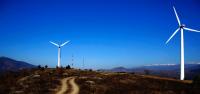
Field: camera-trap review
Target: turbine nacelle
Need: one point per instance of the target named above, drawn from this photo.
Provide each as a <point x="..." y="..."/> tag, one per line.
<point x="182" y="26"/>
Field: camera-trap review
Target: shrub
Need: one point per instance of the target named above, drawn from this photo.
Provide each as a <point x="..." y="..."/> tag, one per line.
<point x="196" y="82"/>
<point x="39" y="66"/>
<point x="46" y="66"/>
<point x="68" y="67"/>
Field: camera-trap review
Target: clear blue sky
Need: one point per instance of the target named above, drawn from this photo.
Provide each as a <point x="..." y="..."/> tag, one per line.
<point x="107" y="33"/>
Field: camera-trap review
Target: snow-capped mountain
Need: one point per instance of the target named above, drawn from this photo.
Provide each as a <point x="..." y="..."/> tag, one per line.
<point x="165" y="70"/>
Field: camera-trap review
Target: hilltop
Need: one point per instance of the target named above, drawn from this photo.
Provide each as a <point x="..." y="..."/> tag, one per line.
<point x="50" y="81"/>
<point x="8" y="64"/>
<point x="29" y="79"/>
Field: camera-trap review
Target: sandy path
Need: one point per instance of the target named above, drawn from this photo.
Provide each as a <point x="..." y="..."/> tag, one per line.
<point x="66" y="82"/>
<point x="75" y="88"/>
<point x="64" y="86"/>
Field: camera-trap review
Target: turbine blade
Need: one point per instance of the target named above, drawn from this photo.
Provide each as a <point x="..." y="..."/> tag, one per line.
<point x="172" y="36"/>
<point x="191" y="29"/>
<point x="64" y="43"/>
<point x="179" y="23"/>
<point x="54" y="43"/>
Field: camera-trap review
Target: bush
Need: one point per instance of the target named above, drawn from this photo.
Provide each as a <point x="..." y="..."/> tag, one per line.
<point x="46" y="66"/>
<point x="68" y="67"/>
<point x="90" y="70"/>
<point x="196" y="85"/>
<point x="196" y="82"/>
<point x="39" y="66"/>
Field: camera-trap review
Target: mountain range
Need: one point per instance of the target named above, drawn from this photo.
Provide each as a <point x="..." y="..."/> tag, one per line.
<point x="164" y="70"/>
<point x="8" y="64"/>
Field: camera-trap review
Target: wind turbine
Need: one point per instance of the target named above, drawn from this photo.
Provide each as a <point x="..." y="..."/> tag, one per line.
<point x="181" y="28"/>
<point x="59" y="47"/>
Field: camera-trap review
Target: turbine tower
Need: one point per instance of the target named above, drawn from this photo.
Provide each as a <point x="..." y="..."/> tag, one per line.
<point x="181" y="28"/>
<point x="59" y="54"/>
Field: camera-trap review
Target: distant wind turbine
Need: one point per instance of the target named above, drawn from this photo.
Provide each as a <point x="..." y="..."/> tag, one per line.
<point x="181" y="28"/>
<point x="59" y="54"/>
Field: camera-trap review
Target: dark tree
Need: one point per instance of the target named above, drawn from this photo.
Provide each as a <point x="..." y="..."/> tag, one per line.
<point x="68" y="67"/>
<point x="90" y="70"/>
<point x="46" y="66"/>
<point x="39" y="66"/>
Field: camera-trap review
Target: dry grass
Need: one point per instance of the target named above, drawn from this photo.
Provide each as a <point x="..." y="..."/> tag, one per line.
<point x="124" y="83"/>
<point x="91" y="82"/>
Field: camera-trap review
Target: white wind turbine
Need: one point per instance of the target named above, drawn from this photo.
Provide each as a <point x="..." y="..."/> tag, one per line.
<point x="59" y="54"/>
<point x="181" y="28"/>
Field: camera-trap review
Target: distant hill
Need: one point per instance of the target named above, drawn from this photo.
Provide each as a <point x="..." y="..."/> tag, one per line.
<point x="163" y="70"/>
<point x="169" y="66"/>
<point x="7" y="64"/>
<point x="120" y="69"/>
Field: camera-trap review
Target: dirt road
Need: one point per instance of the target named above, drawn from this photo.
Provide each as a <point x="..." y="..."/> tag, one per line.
<point x="68" y="85"/>
<point x="75" y="88"/>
